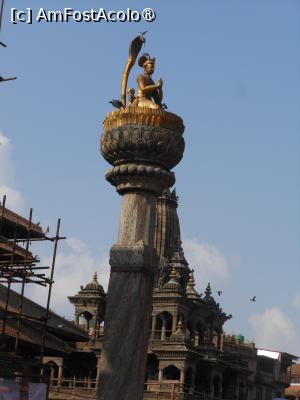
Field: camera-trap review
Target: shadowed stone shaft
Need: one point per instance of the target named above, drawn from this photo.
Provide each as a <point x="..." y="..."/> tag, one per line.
<point x="129" y="301"/>
<point x="142" y="145"/>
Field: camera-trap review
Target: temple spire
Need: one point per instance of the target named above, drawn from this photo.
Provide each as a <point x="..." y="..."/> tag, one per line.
<point x="179" y="263"/>
<point x="167" y="224"/>
<point x="173" y="282"/>
<point x="191" y="292"/>
<point x="208" y="294"/>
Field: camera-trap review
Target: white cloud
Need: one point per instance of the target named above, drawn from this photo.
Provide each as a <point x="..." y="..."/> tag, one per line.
<point x="297" y="300"/>
<point x="7" y="176"/>
<point x="7" y="172"/>
<point x="209" y="264"/>
<point x="274" y="330"/>
<point x="75" y="266"/>
<point x="14" y="199"/>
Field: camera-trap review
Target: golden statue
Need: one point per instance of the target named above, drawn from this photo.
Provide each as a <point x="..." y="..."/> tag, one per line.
<point x="149" y="94"/>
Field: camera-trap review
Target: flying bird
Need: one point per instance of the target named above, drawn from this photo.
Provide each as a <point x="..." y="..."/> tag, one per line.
<point x="6" y="79"/>
<point x="253" y="298"/>
<point x="2" y="44"/>
<point x="117" y="104"/>
<point x="219" y="292"/>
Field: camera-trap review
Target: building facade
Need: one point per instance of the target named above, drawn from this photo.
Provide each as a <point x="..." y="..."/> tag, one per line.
<point x="189" y="355"/>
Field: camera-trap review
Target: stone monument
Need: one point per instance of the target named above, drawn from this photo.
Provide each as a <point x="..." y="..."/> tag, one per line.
<point x="142" y="142"/>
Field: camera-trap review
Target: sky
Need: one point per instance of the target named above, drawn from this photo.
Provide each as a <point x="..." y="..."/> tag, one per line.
<point x="231" y="71"/>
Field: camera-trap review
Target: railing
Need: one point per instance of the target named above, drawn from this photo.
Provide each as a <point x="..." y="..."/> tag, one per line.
<point x="158" y="334"/>
<point x="96" y="333"/>
<point x="85" y="383"/>
<point x="166" y="390"/>
<point x="153" y="390"/>
<point x="77" y="388"/>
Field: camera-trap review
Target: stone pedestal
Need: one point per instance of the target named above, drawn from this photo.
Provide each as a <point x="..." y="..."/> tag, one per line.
<point x="142" y="145"/>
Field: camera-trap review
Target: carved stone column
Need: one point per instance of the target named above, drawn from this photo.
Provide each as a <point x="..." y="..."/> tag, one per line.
<point x="98" y="371"/>
<point x="163" y="329"/>
<point x="51" y="375"/>
<point x="153" y="327"/>
<point x="182" y="373"/>
<point x="160" y="374"/>
<point x="174" y="323"/>
<point x="142" y="145"/>
<point x="60" y="375"/>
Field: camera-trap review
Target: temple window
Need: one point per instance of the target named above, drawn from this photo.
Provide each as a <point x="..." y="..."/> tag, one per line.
<point x="171" y="373"/>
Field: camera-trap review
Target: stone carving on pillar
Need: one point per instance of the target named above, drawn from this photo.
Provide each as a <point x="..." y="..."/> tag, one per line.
<point x="142" y="143"/>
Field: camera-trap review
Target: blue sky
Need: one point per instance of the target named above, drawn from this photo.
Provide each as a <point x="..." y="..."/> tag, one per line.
<point x="231" y="71"/>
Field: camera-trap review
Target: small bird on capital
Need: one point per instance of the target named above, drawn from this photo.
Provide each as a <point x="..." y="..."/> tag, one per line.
<point x="219" y="292"/>
<point x="117" y="104"/>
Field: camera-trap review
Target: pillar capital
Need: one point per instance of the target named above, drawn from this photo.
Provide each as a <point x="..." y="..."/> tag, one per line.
<point x="142" y="145"/>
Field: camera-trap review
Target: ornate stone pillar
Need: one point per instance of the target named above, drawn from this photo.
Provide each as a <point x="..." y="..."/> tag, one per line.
<point x="142" y="145"/>
<point x="60" y="375"/>
<point x="182" y="373"/>
<point x="160" y="374"/>
<point x="51" y="375"/>
<point x="98" y="371"/>
<point x="94" y="325"/>
<point x="163" y="329"/>
<point x="153" y="327"/>
<point x="174" y="323"/>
